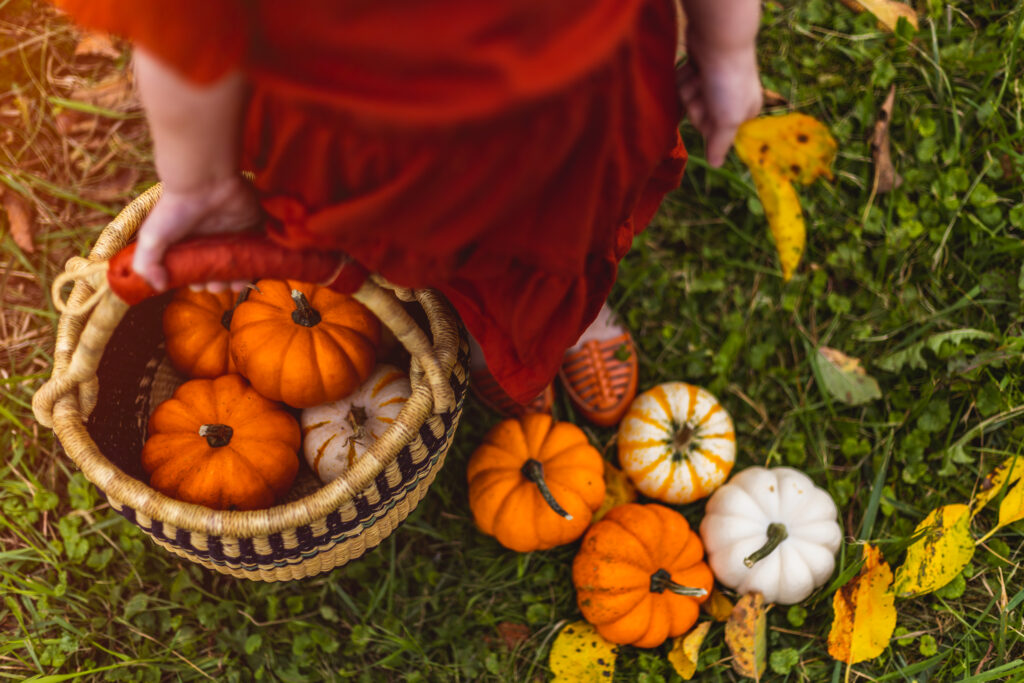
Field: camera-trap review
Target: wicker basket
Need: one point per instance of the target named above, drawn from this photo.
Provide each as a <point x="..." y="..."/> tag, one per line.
<point x="110" y="372"/>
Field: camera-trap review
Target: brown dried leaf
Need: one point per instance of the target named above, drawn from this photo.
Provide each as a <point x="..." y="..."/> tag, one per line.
<point x="19" y="217"/>
<point x="113" y="187"/>
<point x="70" y="122"/>
<point x="513" y="634"/>
<point x="680" y="30"/>
<point x="773" y="98"/>
<point x="745" y="634"/>
<point x="114" y="92"/>
<point x="886" y="178"/>
<point x="96" y="44"/>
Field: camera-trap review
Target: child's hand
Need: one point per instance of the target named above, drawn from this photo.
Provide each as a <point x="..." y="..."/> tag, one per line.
<point x="720" y="90"/>
<point x="229" y="205"/>
<point x="719" y="84"/>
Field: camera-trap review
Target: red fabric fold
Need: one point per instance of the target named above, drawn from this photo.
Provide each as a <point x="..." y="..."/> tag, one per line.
<point x="505" y="153"/>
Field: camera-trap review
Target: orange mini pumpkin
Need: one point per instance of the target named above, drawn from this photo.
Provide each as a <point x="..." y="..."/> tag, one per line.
<point x="303" y="344"/>
<point x="196" y="326"/>
<point x="640" y="575"/>
<point x="535" y="483"/>
<point x="218" y="443"/>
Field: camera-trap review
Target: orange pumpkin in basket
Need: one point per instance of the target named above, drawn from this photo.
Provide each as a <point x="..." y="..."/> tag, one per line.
<point x="196" y="328"/>
<point x="640" y="575"/>
<point x="303" y="344"/>
<point x="218" y="443"/>
<point x="535" y="483"/>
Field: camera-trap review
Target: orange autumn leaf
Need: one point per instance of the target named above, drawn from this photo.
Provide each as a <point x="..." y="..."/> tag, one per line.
<point x="780" y="151"/>
<point x="865" y="612"/>
<point x="19" y="218"/>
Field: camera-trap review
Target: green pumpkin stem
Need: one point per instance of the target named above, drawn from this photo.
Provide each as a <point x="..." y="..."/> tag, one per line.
<point x="217" y="435"/>
<point x="776" y="534"/>
<point x="533" y="470"/>
<point x="304" y="314"/>
<point x="661" y="581"/>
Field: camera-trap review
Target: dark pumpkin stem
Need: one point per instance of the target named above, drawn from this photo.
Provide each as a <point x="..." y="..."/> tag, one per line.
<point x="661" y="581"/>
<point x="534" y="472"/>
<point x="225" y="319"/>
<point x="217" y="435"/>
<point x="683" y="437"/>
<point x="776" y="534"/>
<point x="304" y="314"/>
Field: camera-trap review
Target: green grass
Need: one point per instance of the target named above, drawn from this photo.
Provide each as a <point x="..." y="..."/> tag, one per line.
<point x="85" y="594"/>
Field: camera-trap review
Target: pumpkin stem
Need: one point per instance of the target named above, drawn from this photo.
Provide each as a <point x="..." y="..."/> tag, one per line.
<point x="217" y="435"/>
<point x="533" y="470"/>
<point x="304" y="314"/>
<point x="776" y="534"/>
<point x="684" y="435"/>
<point x="662" y="580"/>
<point x="225" y="320"/>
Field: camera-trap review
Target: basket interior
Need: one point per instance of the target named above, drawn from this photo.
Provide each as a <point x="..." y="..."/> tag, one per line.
<point x="135" y="377"/>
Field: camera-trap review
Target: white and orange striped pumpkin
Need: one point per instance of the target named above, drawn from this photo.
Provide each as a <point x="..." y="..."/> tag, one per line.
<point x="337" y="434"/>
<point x="676" y="443"/>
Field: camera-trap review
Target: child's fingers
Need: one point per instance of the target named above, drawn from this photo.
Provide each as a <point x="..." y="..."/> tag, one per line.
<point x="719" y="142"/>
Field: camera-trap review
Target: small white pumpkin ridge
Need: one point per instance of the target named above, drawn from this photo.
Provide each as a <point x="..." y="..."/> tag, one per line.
<point x="337" y="434"/>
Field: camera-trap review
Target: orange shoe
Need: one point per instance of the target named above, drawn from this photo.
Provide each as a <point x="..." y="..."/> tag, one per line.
<point x="601" y="378"/>
<point x="490" y="393"/>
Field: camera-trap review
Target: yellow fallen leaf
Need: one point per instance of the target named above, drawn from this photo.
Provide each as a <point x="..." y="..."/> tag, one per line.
<point x="999" y="479"/>
<point x="745" y="636"/>
<point x="781" y="150"/>
<point x="618" y="490"/>
<point x="888" y="12"/>
<point x="941" y="553"/>
<point x="1011" y="509"/>
<point x="580" y="654"/>
<point x="717" y="605"/>
<point x="686" y="648"/>
<point x="785" y="217"/>
<point x="865" y="612"/>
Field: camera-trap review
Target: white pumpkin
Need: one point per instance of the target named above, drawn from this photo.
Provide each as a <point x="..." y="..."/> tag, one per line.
<point x="676" y="443"/>
<point x="336" y="434"/>
<point x="771" y="531"/>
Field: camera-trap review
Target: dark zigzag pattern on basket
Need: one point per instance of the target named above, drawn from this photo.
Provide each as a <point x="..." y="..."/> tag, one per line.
<point x="309" y="544"/>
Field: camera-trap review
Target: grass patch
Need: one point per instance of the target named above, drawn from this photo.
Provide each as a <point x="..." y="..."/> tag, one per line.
<point x="925" y="285"/>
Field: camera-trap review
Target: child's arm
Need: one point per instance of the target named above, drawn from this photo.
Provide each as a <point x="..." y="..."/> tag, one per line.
<point x="196" y="134"/>
<point x="719" y="84"/>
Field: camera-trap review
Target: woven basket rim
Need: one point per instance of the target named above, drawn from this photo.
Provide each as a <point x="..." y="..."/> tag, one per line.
<point x="69" y="422"/>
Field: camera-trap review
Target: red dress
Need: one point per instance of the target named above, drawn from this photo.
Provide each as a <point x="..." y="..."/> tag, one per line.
<point x="504" y="152"/>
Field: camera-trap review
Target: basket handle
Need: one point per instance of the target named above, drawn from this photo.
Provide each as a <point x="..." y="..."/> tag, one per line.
<point x="219" y="258"/>
<point x="237" y="256"/>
